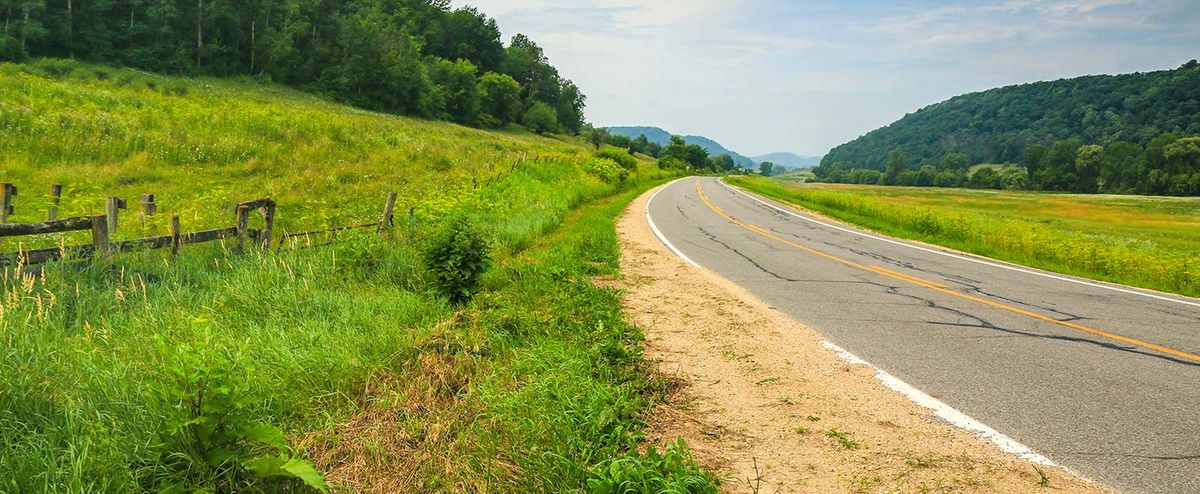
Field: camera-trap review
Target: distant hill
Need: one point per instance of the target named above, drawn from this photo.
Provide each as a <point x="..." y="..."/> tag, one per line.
<point x="662" y="137"/>
<point x="789" y="160"/>
<point x="998" y="125"/>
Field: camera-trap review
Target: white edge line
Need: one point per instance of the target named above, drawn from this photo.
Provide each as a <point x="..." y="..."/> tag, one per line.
<point x="940" y="409"/>
<point x="658" y="233"/>
<point x="944" y="411"/>
<point x="963" y="258"/>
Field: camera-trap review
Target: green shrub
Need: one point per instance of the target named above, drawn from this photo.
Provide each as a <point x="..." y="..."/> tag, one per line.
<point x="622" y="158"/>
<point x="606" y="170"/>
<point x="673" y="471"/>
<point x="540" y="118"/>
<point x="56" y="68"/>
<point x="457" y="256"/>
<point x="213" y="441"/>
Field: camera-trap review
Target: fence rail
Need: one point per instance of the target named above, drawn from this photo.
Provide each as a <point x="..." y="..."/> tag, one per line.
<point x="102" y="227"/>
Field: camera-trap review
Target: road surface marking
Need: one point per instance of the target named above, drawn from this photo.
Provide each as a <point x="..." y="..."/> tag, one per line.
<point x="944" y="411"/>
<point x="657" y="233"/>
<point x="943" y="288"/>
<point x="964" y="258"/>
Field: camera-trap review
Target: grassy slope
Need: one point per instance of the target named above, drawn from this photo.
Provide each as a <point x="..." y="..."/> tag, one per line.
<point x="1152" y="242"/>
<point x="527" y="388"/>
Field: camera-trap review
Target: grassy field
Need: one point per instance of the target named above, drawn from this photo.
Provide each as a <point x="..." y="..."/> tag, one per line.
<point x="224" y="373"/>
<point x="1151" y="242"/>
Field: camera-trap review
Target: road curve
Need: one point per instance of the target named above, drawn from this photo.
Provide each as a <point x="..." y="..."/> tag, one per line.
<point x="1099" y="378"/>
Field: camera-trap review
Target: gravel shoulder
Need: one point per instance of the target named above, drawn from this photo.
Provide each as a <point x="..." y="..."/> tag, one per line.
<point x="762" y="402"/>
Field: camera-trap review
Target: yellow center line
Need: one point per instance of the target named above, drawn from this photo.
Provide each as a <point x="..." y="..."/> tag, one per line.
<point x="939" y="287"/>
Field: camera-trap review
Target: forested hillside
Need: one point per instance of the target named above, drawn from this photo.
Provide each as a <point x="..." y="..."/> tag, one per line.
<point x="412" y="57"/>
<point x="1120" y="134"/>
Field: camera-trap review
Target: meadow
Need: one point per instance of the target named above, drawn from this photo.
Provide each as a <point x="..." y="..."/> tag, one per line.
<point x="215" y="372"/>
<point x="1150" y="242"/>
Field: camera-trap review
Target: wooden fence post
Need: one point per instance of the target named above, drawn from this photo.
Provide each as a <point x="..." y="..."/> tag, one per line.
<point x="7" y="192"/>
<point x="269" y="224"/>
<point x="100" y="234"/>
<point x="176" y="237"/>
<point x="386" y="222"/>
<point x="243" y="224"/>
<point x="114" y="204"/>
<point x="55" y="198"/>
<point x="148" y="207"/>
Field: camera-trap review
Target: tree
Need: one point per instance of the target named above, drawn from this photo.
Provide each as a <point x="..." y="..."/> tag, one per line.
<point x="457" y="90"/>
<point x="597" y="137"/>
<point x="691" y="154"/>
<point x="525" y="61"/>
<point x="897" y="159"/>
<point x="571" y="103"/>
<point x="1087" y="168"/>
<point x="500" y="99"/>
<point x="955" y="161"/>
<point x="540" y="118"/>
<point x="721" y="163"/>
<point x="469" y="35"/>
<point x="766" y="168"/>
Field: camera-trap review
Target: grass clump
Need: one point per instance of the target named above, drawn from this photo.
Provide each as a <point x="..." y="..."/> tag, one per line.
<point x="669" y="471"/>
<point x="1150" y="242"/>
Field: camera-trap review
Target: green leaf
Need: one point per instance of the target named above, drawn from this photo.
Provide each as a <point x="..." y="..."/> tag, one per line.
<point x="306" y="472"/>
<point x="267" y="434"/>
<point x="265" y="467"/>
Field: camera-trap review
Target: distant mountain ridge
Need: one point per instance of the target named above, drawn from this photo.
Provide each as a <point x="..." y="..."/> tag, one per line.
<point x="789" y="160"/>
<point x="662" y="138"/>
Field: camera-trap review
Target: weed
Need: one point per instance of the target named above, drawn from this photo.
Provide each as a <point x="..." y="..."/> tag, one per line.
<point x="457" y="257"/>
<point x="845" y="439"/>
<point x="212" y="439"/>
<point x="1043" y="478"/>
<point x="755" y="483"/>
<point x="672" y="470"/>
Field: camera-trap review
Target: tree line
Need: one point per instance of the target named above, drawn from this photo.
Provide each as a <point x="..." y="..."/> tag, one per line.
<point x="1168" y="165"/>
<point x="1112" y="134"/>
<point x="676" y="155"/>
<point x="411" y="57"/>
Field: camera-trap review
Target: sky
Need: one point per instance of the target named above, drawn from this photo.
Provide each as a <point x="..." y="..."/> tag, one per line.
<point x="762" y="76"/>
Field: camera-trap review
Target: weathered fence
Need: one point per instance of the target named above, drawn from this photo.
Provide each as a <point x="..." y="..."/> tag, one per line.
<point x="102" y="226"/>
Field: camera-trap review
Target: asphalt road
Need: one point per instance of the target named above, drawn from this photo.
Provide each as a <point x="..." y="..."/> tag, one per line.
<point x="1101" y="379"/>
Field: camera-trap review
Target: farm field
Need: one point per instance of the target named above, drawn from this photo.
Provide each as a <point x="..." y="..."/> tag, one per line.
<point x="222" y="373"/>
<point x="1151" y="242"/>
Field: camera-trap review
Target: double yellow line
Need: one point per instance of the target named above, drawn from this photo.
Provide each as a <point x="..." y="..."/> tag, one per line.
<point x="939" y="287"/>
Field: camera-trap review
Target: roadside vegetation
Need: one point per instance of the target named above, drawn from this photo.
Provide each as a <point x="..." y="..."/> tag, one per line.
<point x="1151" y="242"/>
<point x="468" y="351"/>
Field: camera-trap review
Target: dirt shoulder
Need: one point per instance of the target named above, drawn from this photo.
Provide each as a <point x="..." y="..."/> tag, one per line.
<point x="765" y="404"/>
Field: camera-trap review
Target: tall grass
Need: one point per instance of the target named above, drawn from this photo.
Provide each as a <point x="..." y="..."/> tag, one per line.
<point x="534" y="385"/>
<point x="1148" y="245"/>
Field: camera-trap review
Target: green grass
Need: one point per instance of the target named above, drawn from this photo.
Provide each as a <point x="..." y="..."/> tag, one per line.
<point x="1151" y="242"/>
<point x="535" y="385"/>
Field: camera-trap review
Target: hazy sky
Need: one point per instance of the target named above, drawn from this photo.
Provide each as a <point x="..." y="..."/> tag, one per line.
<point x="803" y="76"/>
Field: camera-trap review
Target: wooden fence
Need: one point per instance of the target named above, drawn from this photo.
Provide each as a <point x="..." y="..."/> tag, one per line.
<point x="102" y="226"/>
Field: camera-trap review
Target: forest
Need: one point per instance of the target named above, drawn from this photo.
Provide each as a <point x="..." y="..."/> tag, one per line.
<point x="411" y="57"/>
<point x="1132" y="133"/>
